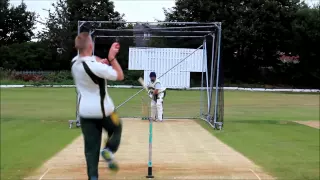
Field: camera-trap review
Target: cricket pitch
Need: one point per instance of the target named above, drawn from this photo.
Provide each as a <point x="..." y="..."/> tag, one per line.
<point x="182" y="149"/>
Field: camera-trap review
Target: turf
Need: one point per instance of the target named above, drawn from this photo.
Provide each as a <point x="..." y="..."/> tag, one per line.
<point x="286" y="150"/>
<point x="34" y="126"/>
<point x="239" y="105"/>
<point x="246" y="105"/>
<point x="259" y="125"/>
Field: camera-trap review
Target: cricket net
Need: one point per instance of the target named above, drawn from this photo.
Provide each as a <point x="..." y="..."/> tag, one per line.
<point x="185" y="57"/>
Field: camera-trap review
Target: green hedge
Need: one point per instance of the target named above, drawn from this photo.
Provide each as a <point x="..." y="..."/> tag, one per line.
<point x="59" y="77"/>
<point x="9" y="77"/>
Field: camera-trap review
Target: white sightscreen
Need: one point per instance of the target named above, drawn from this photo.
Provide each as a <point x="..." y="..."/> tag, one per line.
<point x="175" y="80"/>
<point x="160" y="60"/>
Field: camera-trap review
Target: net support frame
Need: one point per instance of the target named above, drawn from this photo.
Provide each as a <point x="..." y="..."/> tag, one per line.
<point x="208" y="88"/>
<point x="219" y="124"/>
<point x="215" y="26"/>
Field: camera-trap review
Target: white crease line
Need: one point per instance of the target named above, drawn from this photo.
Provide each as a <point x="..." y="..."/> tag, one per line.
<point x="44" y="173"/>
<point x="255" y="174"/>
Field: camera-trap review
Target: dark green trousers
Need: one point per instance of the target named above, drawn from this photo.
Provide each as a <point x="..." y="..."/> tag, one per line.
<point x="92" y="132"/>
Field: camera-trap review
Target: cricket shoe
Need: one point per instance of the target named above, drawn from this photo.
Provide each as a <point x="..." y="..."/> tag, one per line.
<point x="109" y="158"/>
<point x="158" y="120"/>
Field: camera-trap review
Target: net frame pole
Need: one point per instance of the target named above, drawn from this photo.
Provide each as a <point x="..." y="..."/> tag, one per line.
<point x="93" y="41"/>
<point x="207" y="89"/>
<point x="207" y="80"/>
<point x="149" y="30"/>
<point x="149" y="36"/>
<point x="158" y="23"/>
<point x="77" y="94"/>
<point x="79" y="26"/>
<point x="217" y="79"/>
<point x="205" y="65"/>
<point x="203" y="68"/>
<point x="211" y="80"/>
<point x="186" y="27"/>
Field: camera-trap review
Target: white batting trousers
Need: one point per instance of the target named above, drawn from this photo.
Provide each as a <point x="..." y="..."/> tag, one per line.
<point x="157" y="108"/>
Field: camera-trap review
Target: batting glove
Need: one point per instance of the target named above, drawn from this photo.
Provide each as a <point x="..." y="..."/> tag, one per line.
<point x="150" y="93"/>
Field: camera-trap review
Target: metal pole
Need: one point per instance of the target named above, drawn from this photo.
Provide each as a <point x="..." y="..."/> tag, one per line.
<point x="185" y="27"/>
<point x="207" y="81"/>
<point x="79" y="26"/>
<point x="150" y="36"/>
<point x="179" y="23"/>
<point x="218" y="70"/>
<point x="201" y="90"/>
<point x="149" y="30"/>
<point x="211" y="78"/>
<point x="214" y="73"/>
<point x="93" y="41"/>
<point x="149" y="175"/>
<point x="77" y="94"/>
<point x="81" y="23"/>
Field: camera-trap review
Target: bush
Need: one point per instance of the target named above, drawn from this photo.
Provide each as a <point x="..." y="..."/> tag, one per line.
<point x="28" y="77"/>
<point x="5" y="74"/>
<point x="59" y="77"/>
<point x="38" y="78"/>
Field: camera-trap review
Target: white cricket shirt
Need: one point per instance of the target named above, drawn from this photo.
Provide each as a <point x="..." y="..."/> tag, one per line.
<point x="90" y="79"/>
<point x="156" y="85"/>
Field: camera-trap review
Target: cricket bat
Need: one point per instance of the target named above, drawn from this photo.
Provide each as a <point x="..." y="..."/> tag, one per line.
<point x="141" y="81"/>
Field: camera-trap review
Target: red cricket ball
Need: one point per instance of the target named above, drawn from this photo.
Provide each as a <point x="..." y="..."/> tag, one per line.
<point x="117" y="45"/>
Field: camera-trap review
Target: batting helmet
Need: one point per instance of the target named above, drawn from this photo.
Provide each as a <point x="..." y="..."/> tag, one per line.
<point x="153" y="74"/>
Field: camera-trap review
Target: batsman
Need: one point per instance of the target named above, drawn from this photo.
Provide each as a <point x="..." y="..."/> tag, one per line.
<point x="157" y="93"/>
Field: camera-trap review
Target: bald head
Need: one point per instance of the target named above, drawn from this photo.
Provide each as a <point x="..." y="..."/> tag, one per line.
<point x="83" y="42"/>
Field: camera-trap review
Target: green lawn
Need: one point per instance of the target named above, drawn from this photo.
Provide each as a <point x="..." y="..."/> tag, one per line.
<point x="254" y="126"/>
<point x="34" y="126"/>
<point x="244" y="105"/>
<point x="288" y="151"/>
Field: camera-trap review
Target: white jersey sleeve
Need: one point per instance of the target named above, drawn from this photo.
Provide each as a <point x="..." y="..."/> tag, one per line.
<point x="102" y="70"/>
<point x="75" y="58"/>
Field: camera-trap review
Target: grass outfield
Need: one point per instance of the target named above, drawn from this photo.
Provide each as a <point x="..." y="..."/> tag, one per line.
<point x="288" y="151"/>
<point x="34" y="127"/>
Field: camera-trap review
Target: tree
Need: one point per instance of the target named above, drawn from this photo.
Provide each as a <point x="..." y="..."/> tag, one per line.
<point x="4" y="8"/>
<point x="61" y="26"/>
<point x="16" y="23"/>
<point x="306" y="43"/>
<point x="92" y="10"/>
<point x="25" y="56"/>
<point x="253" y="30"/>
